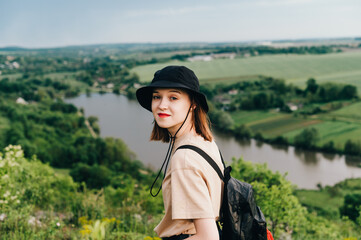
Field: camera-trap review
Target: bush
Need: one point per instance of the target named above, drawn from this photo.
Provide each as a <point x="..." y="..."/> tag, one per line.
<point x="307" y="139"/>
<point x="94" y="176"/>
<point x="243" y="132"/>
<point x="32" y="182"/>
<point x="352" y="206"/>
<point x="352" y="148"/>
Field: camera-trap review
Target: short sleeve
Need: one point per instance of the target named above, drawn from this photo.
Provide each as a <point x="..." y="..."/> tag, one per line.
<point x="190" y="195"/>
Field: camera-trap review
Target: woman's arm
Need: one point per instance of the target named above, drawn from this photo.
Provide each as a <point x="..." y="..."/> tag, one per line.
<point x="206" y="229"/>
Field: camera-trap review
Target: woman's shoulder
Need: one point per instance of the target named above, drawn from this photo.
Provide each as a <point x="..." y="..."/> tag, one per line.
<point x="188" y="158"/>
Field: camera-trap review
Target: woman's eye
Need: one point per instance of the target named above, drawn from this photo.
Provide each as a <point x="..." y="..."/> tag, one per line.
<point x="156" y="97"/>
<point x="173" y="98"/>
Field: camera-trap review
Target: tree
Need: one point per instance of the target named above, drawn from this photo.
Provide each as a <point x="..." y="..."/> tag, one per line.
<point x="274" y="195"/>
<point x="312" y="86"/>
<point x="352" y="206"/>
<point x="243" y="131"/>
<point x="352" y="148"/>
<point x="307" y="138"/>
<point x="348" y="92"/>
<point x="222" y="120"/>
<point x="261" y="101"/>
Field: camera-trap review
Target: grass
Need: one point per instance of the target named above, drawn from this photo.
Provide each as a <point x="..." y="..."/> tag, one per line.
<point x="252" y="117"/>
<point x="4" y="125"/>
<point x="328" y="200"/>
<point x="296" y="69"/>
<point x="68" y="78"/>
<point x="279" y="126"/>
<point x="336" y="131"/>
<point x="11" y="77"/>
<point x="351" y="112"/>
<point x="337" y="126"/>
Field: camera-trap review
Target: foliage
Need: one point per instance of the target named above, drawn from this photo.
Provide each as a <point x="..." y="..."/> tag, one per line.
<point x="37" y="203"/>
<point x="222" y="120"/>
<point x="274" y="195"/>
<point x="352" y="206"/>
<point x="353" y="148"/>
<point x="307" y="138"/>
<point x="284" y="213"/>
<point x="32" y="182"/>
<point x="243" y="131"/>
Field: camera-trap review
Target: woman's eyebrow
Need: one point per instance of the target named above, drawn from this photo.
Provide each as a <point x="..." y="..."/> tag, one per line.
<point x="176" y="91"/>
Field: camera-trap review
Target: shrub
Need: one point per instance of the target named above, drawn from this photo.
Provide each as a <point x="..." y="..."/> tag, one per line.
<point x="352" y="206"/>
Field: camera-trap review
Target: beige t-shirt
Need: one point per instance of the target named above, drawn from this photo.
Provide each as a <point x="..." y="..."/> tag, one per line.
<point x="191" y="188"/>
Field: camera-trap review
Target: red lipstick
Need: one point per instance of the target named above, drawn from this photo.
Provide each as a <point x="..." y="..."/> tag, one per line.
<point x="163" y="115"/>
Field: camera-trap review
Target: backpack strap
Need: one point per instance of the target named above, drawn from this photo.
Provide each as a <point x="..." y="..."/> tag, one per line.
<point x="206" y="157"/>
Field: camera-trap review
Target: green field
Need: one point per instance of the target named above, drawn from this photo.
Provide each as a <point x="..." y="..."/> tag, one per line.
<point x="328" y="201"/>
<point x="68" y="78"/>
<point x="350" y="113"/>
<point x="279" y="126"/>
<point x="247" y="117"/>
<point x="336" y="131"/>
<point x="12" y="77"/>
<point x="336" y="67"/>
<point x="338" y="126"/>
<point x="64" y="77"/>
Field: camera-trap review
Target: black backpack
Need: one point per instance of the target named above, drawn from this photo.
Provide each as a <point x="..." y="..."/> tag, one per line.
<point x="241" y="218"/>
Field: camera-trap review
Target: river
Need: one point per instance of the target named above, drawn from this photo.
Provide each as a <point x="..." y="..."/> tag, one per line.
<point x="125" y="119"/>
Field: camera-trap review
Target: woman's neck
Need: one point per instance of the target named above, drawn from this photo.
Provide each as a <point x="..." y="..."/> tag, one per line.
<point x="185" y="129"/>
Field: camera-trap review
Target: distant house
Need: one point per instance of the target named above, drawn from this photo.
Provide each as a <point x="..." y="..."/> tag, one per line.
<point x="293" y="107"/>
<point x="110" y="85"/>
<point x="21" y="100"/>
<point x="233" y="92"/>
<point x="204" y="58"/>
<point x="16" y="65"/>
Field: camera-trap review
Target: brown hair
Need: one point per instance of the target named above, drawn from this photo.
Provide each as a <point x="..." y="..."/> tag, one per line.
<point x="200" y="121"/>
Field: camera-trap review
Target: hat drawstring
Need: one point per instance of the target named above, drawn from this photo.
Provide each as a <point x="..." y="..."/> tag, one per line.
<point x="167" y="157"/>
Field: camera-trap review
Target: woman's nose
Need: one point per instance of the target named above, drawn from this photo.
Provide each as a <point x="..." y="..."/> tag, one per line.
<point x="163" y="104"/>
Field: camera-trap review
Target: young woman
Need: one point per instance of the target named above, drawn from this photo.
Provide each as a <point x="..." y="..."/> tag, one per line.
<point x="192" y="190"/>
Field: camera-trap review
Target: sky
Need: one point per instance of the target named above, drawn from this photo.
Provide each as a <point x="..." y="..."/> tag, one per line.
<point x="57" y="23"/>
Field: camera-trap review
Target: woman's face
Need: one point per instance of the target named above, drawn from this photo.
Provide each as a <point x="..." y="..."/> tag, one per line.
<point x="170" y="107"/>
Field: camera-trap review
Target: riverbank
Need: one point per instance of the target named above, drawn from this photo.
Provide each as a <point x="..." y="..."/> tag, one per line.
<point x="305" y="168"/>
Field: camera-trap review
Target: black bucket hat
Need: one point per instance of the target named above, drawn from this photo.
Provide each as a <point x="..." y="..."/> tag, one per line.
<point x="172" y="77"/>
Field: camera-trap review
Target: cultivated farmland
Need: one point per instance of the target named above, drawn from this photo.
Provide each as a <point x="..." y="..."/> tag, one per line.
<point x="336" y="67"/>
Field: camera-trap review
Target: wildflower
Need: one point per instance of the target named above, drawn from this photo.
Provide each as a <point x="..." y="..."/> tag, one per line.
<point x="86" y="230"/>
<point x="13" y="197"/>
<point x="7" y="193"/>
<point x="58" y="224"/>
<point x="2" y="217"/>
<point x="34" y="222"/>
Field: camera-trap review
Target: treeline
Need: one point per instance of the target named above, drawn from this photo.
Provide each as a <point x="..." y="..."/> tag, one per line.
<point x="269" y="93"/>
<point x="45" y="126"/>
<point x="57" y="135"/>
<point x="261" y="50"/>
